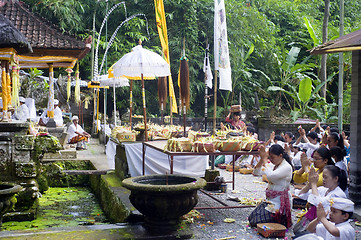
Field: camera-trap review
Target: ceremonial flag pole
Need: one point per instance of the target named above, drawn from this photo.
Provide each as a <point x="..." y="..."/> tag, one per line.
<point x="208" y="84"/>
<point x="221" y="54"/>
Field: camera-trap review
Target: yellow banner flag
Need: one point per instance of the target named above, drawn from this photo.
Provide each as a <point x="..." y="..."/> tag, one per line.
<point x="162" y="31"/>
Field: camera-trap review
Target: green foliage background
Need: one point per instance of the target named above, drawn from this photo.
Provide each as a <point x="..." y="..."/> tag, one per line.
<point x="260" y="34"/>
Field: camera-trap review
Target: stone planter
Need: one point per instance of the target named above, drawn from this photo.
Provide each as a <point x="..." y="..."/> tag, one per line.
<point x="163" y="199"/>
<point x="7" y="197"/>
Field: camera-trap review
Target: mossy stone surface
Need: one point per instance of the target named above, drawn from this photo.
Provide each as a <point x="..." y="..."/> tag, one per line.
<point x="53" y="172"/>
<point x="63" y="207"/>
<point x="112" y="196"/>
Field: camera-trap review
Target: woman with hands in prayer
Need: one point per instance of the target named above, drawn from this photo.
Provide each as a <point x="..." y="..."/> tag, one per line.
<point x="277" y="208"/>
<point x="320" y="158"/>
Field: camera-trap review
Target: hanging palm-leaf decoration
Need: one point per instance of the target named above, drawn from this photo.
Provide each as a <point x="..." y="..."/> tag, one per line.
<point x="14" y="64"/>
<point x="184" y="82"/>
<point x="68" y="86"/>
<point x="77" y="85"/>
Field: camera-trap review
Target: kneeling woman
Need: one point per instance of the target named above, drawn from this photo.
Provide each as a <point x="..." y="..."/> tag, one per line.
<point x="277" y="208"/>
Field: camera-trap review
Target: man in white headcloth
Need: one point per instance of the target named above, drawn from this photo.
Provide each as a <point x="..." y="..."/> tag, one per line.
<point x="77" y="134"/>
<point x="58" y="115"/>
<point x="337" y="226"/>
<point x="22" y="112"/>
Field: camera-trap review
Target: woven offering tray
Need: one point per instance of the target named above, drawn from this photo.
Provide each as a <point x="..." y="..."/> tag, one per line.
<point x="271" y="230"/>
<point x="236" y="108"/>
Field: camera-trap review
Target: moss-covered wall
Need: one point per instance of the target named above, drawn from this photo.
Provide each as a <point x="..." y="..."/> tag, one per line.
<point x="53" y="175"/>
<point x="112" y="196"/>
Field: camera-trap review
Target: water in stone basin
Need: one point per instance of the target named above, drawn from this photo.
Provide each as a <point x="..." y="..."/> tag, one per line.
<point x="63" y="207"/>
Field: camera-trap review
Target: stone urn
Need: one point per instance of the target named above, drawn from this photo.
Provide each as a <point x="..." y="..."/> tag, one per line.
<point x="163" y="199"/>
<point x="7" y="197"/>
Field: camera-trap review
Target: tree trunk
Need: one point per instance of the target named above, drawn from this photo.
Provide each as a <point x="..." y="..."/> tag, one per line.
<point x="323" y="73"/>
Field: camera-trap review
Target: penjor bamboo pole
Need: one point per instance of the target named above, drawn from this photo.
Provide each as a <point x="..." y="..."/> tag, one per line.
<point x="215" y="104"/>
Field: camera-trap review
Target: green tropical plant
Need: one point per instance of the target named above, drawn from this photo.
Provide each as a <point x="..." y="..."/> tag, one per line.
<point x="268" y="25"/>
<point x="289" y="75"/>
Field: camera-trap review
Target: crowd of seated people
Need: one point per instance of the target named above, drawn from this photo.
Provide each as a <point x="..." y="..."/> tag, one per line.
<point x="316" y="163"/>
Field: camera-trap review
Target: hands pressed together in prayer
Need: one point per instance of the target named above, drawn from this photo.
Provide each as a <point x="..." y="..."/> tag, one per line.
<point x="305" y="162"/>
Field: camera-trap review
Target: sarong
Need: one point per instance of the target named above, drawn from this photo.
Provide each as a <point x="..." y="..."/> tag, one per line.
<point x="78" y="138"/>
<point x="261" y="215"/>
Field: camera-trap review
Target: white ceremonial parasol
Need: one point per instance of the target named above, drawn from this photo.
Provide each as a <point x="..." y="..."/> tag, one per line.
<point x="111" y="81"/>
<point x="144" y="64"/>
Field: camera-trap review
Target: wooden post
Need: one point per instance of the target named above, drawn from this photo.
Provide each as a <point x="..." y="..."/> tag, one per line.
<point x="184" y="116"/>
<point x="144" y="111"/>
<point x="131" y="104"/>
<point x="51" y="91"/>
<point x="215" y="104"/>
<point x="355" y="129"/>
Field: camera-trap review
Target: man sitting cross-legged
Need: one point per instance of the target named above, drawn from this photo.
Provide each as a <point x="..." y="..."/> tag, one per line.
<point x="77" y="134"/>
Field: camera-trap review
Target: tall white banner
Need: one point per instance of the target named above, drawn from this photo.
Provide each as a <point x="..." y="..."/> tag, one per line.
<point x="221" y="52"/>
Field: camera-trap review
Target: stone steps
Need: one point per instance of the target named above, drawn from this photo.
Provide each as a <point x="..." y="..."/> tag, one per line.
<point x="66" y="154"/>
<point x="85" y="172"/>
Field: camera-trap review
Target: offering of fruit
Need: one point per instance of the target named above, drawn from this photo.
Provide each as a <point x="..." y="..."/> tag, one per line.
<point x="179" y="145"/>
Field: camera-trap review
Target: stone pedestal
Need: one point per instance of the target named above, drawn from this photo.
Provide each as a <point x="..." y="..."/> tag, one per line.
<point x="121" y="163"/>
<point x="209" y="176"/>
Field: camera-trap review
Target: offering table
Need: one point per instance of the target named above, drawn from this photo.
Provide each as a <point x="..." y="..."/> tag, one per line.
<point x="159" y="146"/>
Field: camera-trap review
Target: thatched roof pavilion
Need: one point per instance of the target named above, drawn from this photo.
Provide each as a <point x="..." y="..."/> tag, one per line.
<point x="51" y="47"/>
<point x="10" y="37"/>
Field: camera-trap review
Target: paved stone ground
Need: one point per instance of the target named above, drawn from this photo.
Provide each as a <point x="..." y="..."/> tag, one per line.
<point x="212" y="226"/>
<point x="211" y="223"/>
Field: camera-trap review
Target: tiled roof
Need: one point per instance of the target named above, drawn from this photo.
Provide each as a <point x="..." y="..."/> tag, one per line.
<point x="44" y="37"/>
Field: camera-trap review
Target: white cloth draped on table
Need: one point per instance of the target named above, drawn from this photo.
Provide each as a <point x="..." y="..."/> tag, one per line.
<point x="157" y="162"/>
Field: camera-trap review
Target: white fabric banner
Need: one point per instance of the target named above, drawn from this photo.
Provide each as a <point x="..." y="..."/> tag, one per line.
<point x="221" y="51"/>
<point x="157" y="162"/>
<point x="207" y="72"/>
